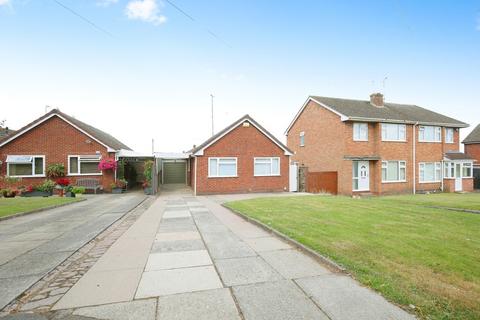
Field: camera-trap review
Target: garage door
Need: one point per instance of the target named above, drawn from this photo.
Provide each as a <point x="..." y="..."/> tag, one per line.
<point x="174" y="172"/>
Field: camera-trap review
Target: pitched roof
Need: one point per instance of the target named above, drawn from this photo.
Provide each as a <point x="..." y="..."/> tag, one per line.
<point x="5" y="132"/>
<point x="457" y="155"/>
<point x="363" y="110"/>
<point x="97" y="134"/>
<point x="473" y="137"/>
<point x="199" y="150"/>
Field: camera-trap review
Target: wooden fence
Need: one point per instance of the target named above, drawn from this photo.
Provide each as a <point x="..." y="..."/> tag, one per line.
<point x="319" y="182"/>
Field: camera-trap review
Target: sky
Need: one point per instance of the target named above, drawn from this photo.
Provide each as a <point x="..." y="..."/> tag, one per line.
<point x="145" y="69"/>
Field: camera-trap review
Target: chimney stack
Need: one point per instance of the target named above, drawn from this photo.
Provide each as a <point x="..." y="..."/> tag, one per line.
<point x="376" y="99"/>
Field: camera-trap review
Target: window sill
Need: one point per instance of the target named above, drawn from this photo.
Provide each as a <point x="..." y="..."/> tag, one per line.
<point x="37" y="176"/>
<point x="427" y="182"/>
<point x="215" y="177"/>
<point x="83" y="174"/>
<point x="404" y="141"/>
<point x="400" y="181"/>
<point x="429" y="141"/>
<point x="267" y="175"/>
<point x="360" y="140"/>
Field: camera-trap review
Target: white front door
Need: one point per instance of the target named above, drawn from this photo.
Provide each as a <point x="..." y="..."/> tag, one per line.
<point x="293" y="177"/>
<point x="458" y="177"/>
<point x="363" y="176"/>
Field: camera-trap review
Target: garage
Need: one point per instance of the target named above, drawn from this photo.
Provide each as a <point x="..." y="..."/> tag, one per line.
<point x="174" y="171"/>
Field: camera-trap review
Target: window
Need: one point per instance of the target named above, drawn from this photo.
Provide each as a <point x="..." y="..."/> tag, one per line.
<point x="449" y="170"/>
<point x="449" y="135"/>
<point x="360" y="131"/>
<point x="355" y="176"/>
<point x="84" y="165"/>
<point x="394" y="171"/>
<point x="430" y="172"/>
<point x="467" y="170"/>
<point x="302" y="139"/>
<point x="266" y="167"/>
<point x="429" y="134"/>
<point x="25" y="166"/>
<point x="394" y="132"/>
<point x="222" y="167"/>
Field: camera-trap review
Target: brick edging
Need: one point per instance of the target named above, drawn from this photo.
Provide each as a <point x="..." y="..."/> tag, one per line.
<point x="317" y="256"/>
<point x="13" y="216"/>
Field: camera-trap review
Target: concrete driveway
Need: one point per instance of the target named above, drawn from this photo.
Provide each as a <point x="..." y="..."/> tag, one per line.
<point x="32" y="245"/>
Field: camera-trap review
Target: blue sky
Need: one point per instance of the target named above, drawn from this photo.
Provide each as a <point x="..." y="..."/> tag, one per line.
<point x="152" y="77"/>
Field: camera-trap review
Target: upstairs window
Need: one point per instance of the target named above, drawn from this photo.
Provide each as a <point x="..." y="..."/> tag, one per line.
<point x="449" y="137"/>
<point x="302" y="139"/>
<point x="25" y="166"/>
<point x="429" y="134"/>
<point x="84" y="165"/>
<point x="266" y="167"/>
<point x="430" y="172"/>
<point x="360" y="131"/>
<point x="222" y="167"/>
<point x="394" y="132"/>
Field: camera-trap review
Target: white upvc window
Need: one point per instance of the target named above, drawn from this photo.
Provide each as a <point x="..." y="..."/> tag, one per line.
<point x="266" y="166"/>
<point x="449" y="135"/>
<point x="394" y="171"/>
<point x="360" y="131"/>
<point x="394" y="132"/>
<point x="302" y="139"/>
<point x="449" y="170"/>
<point x="430" y="172"/>
<point x="24" y="166"/>
<point x="429" y="134"/>
<point x="84" y="165"/>
<point x="222" y="167"/>
<point x="467" y="170"/>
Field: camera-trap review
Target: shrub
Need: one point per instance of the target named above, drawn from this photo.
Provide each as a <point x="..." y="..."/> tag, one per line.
<point x="63" y="182"/>
<point x="11" y="180"/>
<point x="55" y="171"/>
<point x="147" y="171"/>
<point x="78" y="190"/>
<point x="46" y="186"/>
<point x="9" y="193"/>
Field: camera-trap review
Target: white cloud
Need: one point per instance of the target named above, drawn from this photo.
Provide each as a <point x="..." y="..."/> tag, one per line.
<point x="105" y="3"/>
<point x="145" y="10"/>
<point x="4" y="2"/>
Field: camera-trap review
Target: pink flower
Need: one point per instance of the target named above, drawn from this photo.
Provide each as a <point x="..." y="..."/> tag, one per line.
<point x="107" y="164"/>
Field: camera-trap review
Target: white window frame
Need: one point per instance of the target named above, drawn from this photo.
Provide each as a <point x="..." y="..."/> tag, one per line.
<point x="402" y="164"/>
<point x="437" y="167"/>
<point x="467" y="164"/>
<point x="447" y="167"/>
<point x="357" y="129"/>
<point x="436" y="131"/>
<point x="398" y="125"/>
<point x="33" y="175"/>
<point x="447" y="130"/>
<point x="271" y="167"/>
<point x="302" y="139"/>
<point x="73" y="174"/>
<point x="218" y="167"/>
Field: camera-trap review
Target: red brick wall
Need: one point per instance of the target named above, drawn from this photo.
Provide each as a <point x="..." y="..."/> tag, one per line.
<point x="473" y="150"/>
<point x="245" y="143"/>
<point x="55" y="139"/>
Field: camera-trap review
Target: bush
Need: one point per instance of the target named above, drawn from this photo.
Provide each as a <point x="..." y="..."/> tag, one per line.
<point x="147" y="172"/>
<point x="78" y="190"/>
<point x="8" y="193"/>
<point x="64" y="182"/>
<point x="46" y="186"/>
<point x="55" y="171"/>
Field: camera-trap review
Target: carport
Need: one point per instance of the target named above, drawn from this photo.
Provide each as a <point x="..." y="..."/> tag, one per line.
<point x="174" y="167"/>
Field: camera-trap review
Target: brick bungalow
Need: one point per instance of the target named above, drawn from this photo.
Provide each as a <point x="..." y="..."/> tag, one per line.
<point x="472" y="149"/>
<point x="379" y="148"/>
<point x="57" y="138"/>
<point x="243" y="157"/>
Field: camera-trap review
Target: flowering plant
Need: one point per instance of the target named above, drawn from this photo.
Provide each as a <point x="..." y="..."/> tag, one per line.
<point x="107" y="164"/>
<point x="63" y="182"/>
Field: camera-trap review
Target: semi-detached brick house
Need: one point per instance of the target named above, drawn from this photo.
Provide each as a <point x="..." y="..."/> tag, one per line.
<point x="378" y="147"/>
<point x="472" y="149"/>
<point x="243" y="157"/>
<point x="57" y="138"/>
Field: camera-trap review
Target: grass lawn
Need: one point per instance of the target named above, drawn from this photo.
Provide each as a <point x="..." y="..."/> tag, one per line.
<point x="410" y="253"/>
<point x="12" y="206"/>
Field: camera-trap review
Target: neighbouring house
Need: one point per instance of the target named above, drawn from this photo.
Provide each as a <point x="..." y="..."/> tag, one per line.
<point x="243" y="157"/>
<point x="377" y="147"/>
<point x="58" y="138"/>
<point x="5" y="132"/>
<point x="472" y="148"/>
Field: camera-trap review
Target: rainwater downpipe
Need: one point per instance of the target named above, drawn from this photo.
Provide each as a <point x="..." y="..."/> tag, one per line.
<point x="414" y="158"/>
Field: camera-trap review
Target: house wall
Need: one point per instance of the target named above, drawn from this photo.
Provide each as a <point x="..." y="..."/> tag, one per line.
<point x="473" y="150"/>
<point x="56" y="139"/>
<point x="328" y="140"/>
<point x="245" y="143"/>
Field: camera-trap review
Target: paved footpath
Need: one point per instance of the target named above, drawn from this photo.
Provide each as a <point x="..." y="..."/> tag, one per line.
<point x="189" y="258"/>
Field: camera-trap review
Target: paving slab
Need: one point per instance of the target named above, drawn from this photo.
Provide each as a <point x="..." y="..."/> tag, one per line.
<point x="203" y="305"/>
<point x="267" y="244"/>
<point x="174" y="236"/>
<point x="281" y="300"/>
<point x="133" y="310"/>
<point x="199" y="210"/>
<point x="341" y="297"/>
<point x="182" y="259"/>
<point x="178" y="245"/>
<point x="293" y="264"/>
<point x="246" y="271"/>
<point x="173" y="281"/>
<point x="176" y="214"/>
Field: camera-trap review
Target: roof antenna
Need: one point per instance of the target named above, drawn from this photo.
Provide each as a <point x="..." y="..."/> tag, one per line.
<point x="46" y="108"/>
<point x="213" y="131"/>
<point x="384" y="81"/>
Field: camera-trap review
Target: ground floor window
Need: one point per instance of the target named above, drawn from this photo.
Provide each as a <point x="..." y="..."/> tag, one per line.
<point x="467" y="170"/>
<point x="222" y="167"/>
<point x="84" y="165"/>
<point x="25" y="166"/>
<point x="430" y="172"/>
<point x="458" y="170"/>
<point x="394" y="171"/>
<point x="266" y="166"/>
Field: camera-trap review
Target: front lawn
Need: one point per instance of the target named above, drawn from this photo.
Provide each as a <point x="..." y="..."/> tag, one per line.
<point x="12" y="206"/>
<point x="410" y="253"/>
<point x="469" y="201"/>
